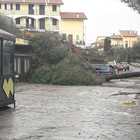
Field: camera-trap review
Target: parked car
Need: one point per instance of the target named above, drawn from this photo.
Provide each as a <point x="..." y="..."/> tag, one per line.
<point x="104" y="69"/>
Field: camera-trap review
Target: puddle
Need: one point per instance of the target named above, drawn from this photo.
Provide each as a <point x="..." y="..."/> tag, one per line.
<point x="129" y="103"/>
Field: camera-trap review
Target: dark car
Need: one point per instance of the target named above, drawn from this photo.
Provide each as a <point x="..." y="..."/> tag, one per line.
<point x="104" y="69"/>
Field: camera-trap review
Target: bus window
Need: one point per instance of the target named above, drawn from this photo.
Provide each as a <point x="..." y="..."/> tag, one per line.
<point x="0" y="57"/>
<point x="7" y="57"/>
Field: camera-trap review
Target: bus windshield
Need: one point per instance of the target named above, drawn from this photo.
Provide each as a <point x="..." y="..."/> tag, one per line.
<point x="7" y="57"/>
<point x="0" y="57"/>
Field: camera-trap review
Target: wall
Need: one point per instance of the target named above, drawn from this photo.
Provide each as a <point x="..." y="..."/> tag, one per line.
<point x="74" y="27"/>
<point x="131" y="41"/>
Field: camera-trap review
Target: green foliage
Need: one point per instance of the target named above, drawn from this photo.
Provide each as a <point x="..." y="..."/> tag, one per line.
<point x="54" y="63"/>
<point x="48" y="48"/>
<point x="42" y="75"/>
<point x="92" y="56"/>
<point x="67" y="72"/>
<point x="119" y="54"/>
<point x="135" y="4"/>
<point x="136" y="51"/>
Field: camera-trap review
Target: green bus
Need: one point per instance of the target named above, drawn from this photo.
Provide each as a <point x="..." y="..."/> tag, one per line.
<point x="7" y="93"/>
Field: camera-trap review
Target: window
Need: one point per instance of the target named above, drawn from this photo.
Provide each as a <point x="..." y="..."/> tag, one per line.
<point x="54" y="8"/>
<point x="126" y="44"/>
<point x="0" y="56"/>
<point x="11" y="6"/>
<point x="70" y="38"/>
<point x="19" y="65"/>
<point x="42" y="23"/>
<point x="64" y="36"/>
<point x="5" y="6"/>
<point x="18" y="21"/>
<point x="77" y="37"/>
<point x="15" y="65"/>
<point x="54" y="22"/>
<point x="7" y="57"/>
<point x="26" y="65"/>
<point x="42" y="9"/>
<point x="31" y="9"/>
<point x="17" y="6"/>
<point x="30" y="23"/>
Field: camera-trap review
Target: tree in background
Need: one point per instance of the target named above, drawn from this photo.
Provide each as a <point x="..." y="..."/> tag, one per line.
<point x="92" y="56"/>
<point x="135" y="4"/>
<point x="136" y="52"/>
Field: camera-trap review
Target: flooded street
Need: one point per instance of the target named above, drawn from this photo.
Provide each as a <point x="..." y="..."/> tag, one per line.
<point x="108" y="112"/>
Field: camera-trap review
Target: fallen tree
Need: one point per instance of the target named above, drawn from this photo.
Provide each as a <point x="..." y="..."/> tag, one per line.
<point x="54" y="62"/>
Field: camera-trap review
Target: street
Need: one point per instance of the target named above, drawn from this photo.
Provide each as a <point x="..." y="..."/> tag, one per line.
<point x="45" y="112"/>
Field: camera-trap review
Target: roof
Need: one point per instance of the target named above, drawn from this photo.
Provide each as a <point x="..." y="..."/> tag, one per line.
<point x="116" y="37"/>
<point x="24" y="1"/>
<point x="128" y="33"/>
<point x="57" y="2"/>
<point x="73" y="15"/>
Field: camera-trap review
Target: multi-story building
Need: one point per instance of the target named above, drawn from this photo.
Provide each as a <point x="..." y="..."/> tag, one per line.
<point x="33" y="15"/>
<point x="129" y="38"/>
<point x="116" y="41"/>
<point x="45" y="15"/>
<point x="125" y="39"/>
<point x="73" y="28"/>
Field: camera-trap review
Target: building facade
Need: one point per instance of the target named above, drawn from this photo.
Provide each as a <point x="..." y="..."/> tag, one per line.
<point x="116" y="41"/>
<point x="33" y="15"/>
<point x="129" y="38"/>
<point x="23" y="56"/>
<point x="45" y="15"/>
<point x="125" y="39"/>
<point x="73" y="28"/>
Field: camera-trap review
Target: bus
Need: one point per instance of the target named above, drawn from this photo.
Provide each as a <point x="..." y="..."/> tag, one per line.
<point x="7" y="93"/>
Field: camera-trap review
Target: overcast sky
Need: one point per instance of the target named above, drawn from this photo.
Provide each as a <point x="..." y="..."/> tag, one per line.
<point x="104" y="16"/>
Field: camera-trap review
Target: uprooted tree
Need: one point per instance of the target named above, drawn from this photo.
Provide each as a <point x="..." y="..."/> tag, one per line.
<point x="54" y="62"/>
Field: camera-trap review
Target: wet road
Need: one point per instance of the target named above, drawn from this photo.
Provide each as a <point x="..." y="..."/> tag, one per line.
<point x="108" y="112"/>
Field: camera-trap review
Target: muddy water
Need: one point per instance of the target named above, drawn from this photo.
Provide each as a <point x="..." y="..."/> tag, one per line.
<point x="108" y="112"/>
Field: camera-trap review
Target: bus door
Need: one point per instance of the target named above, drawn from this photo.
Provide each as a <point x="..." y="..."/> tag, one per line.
<point x="7" y="72"/>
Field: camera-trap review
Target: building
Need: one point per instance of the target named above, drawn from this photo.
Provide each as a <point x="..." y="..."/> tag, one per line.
<point x="125" y="39"/>
<point x="99" y="44"/>
<point x="116" y="41"/>
<point x="129" y="38"/>
<point x="23" y="56"/>
<point x="45" y="15"/>
<point x="33" y="15"/>
<point x="73" y="28"/>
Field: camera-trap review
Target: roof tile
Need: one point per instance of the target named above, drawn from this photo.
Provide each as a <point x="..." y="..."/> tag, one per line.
<point x="58" y="2"/>
<point x="73" y="15"/>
